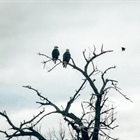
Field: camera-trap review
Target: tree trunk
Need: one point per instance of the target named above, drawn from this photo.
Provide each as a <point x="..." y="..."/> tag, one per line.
<point x="97" y="118"/>
<point x="85" y="134"/>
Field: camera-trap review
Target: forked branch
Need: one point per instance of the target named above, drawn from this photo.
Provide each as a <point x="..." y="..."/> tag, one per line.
<point x="26" y="128"/>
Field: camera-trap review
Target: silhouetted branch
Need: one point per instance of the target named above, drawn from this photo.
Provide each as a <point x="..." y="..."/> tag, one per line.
<point x="54" y="67"/>
<point x="94" y="50"/>
<point x="26" y="128"/>
<point x="103" y="74"/>
<point x="123" y="95"/>
<point x="74" y="97"/>
<point x="85" y="55"/>
<point x="50" y="59"/>
<point x="108" y="137"/>
<point x="95" y="56"/>
<point x="73" y="61"/>
<point x="102" y="48"/>
<point x="46" y="100"/>
<point x="32" y="120"/>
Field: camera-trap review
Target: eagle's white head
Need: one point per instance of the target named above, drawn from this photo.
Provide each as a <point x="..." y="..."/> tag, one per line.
<point x="55" y="47"/>
<point x="67" y="50"/>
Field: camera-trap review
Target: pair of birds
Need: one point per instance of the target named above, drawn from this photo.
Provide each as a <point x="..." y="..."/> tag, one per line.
<point x="66" y="56"/>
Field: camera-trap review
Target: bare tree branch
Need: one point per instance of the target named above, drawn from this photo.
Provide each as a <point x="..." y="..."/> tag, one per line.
<point x="24" y="129"/>
<point x="54" y="67"/>
<point x="50" y="59"/>
<point x="74" y="97"/>
<point x="85" y="55"/>
<point x="47" y="101"/>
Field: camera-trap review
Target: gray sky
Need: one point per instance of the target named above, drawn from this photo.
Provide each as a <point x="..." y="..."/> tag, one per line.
<point x="29" y="27"/>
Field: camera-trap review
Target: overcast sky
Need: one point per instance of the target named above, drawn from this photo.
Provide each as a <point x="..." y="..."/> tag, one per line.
<point x="28" y="27"/>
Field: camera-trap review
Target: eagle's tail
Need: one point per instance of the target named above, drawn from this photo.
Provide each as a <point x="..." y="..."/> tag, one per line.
<point x="54" y="60"/>
<point x="64" y="64"/>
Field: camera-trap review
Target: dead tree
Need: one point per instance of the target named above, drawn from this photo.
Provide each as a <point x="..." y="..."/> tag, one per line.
<point x="97" y="117"/>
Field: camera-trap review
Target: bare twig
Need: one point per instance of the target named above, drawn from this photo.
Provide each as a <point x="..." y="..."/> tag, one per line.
<point x="24" y="129"/>
<point x="74" y="97"/>
<point x="47" y="101"/>
<point x="50" y="59"/>
<point x="102" y="76"/>
<point x="54" y="67"/>
<point x="85" y="55"/>
<point x="44" y="55"/>
<point x="123" y="95"/>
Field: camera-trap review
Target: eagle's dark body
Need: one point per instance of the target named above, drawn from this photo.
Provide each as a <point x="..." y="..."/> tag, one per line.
<point x="55" y="54"/>
<point x="66" y="58"/>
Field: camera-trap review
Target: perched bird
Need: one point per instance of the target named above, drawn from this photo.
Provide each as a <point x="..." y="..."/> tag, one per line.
<point x="123" y="49"/>
<point x="55" y="54"/>
<point x="66" y="58"/>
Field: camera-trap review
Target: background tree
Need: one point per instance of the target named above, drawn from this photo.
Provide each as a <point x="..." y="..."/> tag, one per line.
<point x="97" y="116"/>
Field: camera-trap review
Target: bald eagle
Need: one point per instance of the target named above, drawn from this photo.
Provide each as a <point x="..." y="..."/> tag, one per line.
<point x="55" y="54"/>
<point x="66" y="58"/>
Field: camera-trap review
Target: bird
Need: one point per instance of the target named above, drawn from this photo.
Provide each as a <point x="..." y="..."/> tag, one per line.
<point x="123" y="49"/>
<point x="55" y="54"/>
<point x="66" y="58"/>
